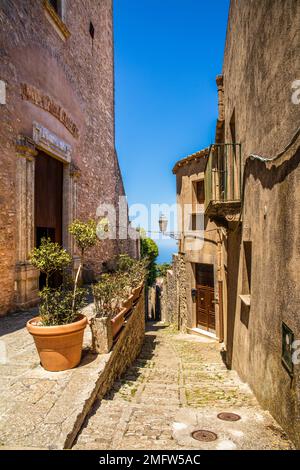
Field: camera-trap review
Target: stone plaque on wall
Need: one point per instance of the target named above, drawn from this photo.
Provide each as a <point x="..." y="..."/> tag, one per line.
<point x="48" y="141"/>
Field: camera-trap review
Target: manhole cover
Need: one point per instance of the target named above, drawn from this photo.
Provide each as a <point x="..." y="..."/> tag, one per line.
<point x="204" y="436"/>
<point x="229" y="417"/>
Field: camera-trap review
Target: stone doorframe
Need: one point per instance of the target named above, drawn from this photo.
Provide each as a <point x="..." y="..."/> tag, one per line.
<point x="27" y="277"/>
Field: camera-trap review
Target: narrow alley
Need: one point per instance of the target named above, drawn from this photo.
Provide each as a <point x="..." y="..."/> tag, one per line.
<point x="178" y="385"/>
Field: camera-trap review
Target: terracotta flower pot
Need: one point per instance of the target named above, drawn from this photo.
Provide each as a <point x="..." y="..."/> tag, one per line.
<point x="118" y="321"/>
<point x="127" y="304"/>
<point x="59" y="347"/>
<point x="136" y="292"/>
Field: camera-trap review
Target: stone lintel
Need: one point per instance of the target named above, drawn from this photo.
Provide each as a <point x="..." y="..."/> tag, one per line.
<point x="51" y="143"/>
<point x="26" y="147"/>
<point x="75" y="171"/>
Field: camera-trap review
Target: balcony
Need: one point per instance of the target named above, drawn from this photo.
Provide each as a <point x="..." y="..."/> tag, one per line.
<point x="223" y="182"/>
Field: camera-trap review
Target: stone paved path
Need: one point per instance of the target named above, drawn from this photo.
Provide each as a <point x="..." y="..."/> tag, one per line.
<point x="41" y="409"/>
<point x="177" y="385"/>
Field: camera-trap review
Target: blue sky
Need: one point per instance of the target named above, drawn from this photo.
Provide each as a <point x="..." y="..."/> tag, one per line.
<point x="167" y="55"/>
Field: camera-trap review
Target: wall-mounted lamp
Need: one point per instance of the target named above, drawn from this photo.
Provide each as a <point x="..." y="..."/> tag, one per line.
<point x="163" y="223"/>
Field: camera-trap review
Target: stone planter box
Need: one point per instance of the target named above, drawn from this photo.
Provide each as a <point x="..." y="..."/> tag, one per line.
<point x="102" y="335"/>
<point x="136" y="292"/>
<point x="118" y="321"/>
<point x="106" y="329"/>
<point x="127" y="304"/>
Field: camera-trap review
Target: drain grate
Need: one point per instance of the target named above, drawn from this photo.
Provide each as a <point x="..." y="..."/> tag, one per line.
<point x="229" y="417"/>
<point x="204" y="436"/>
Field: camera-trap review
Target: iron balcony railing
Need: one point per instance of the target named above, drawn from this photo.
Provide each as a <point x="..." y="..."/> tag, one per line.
<point x="223" y="174"/>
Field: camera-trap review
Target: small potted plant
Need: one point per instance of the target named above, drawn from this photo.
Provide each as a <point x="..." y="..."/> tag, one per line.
<point x="58" y="330"/>
<point x="109" y="315"/>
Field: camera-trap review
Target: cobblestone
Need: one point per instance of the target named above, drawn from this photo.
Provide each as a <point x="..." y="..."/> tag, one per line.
<point x="178" y="384"/>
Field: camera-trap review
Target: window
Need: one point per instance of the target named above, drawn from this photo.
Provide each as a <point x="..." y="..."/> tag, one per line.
<point x="232" y="127"/>
<point x="245" y="296"/>
<point x="55" y="13"/>
<point x="196" y="222"/>
<point x="198" y="197"/>
<point x="287" y="349"/>
<point x="200" y="193"/>
<point x="92" y="30"/>
<point x="248" y="266"/>
<point x="57" y="6"/>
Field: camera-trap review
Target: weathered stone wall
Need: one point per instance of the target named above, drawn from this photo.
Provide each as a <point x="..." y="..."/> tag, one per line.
<point x="110" y="366"/>
<point x="126" y="349"/>
<point x="261" y="63"/>
<point x="169" y="299"/>
<point x="174" y="294"/>
<point x="76" y="74"/>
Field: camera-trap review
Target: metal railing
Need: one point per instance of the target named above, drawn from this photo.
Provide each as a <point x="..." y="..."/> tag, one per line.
<point x="223" y="174"/>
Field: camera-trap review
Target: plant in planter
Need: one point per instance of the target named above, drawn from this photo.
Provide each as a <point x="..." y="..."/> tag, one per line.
<point x="125" y="263"/>
<point x="105" y="292"/>
<point x="138" y="273"/>
<point x="124" y="290"/>
<point x="109" y="317"/>
<point x="58" y="330"/>
<point x="133" y="273"/>
<point x="85" y="236"/>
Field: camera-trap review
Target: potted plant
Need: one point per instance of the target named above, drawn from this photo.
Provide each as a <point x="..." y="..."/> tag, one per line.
<point x="108" y="310"/>
<point x="124" y="290"/>
<point x="127" y="270"/>
<point x="58" y="330"/>
<point x="138" y="274"/>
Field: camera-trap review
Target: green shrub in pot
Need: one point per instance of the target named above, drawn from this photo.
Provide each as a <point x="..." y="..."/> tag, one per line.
<point x="105" y="294"/>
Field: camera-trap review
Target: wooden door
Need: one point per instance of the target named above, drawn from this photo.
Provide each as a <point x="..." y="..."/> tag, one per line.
<point x="205" y="317"/>
<point x="48" y="200"/>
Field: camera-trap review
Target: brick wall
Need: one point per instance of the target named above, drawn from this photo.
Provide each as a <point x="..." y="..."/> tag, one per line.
<point x="78" y="74"/>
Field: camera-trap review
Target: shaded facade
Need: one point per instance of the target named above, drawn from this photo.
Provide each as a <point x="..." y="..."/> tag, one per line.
<point x="252" y="178"/>
<point x="58" y="159"/>
<point x="199" y="250"/>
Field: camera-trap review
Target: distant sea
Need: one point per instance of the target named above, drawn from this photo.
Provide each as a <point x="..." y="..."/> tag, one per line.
<point x="166" y="249"/>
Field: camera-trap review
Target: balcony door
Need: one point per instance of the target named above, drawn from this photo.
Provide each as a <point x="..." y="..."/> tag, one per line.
<point x="205" y="318"/>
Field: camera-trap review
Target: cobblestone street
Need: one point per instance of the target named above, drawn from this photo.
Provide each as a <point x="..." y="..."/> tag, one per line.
<point x="178" y="384"/>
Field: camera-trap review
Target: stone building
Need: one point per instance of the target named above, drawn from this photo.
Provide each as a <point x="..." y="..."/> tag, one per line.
<point x="251" y="200"/>
<point x="58" y="159"/>
<point x="198" y="260"/>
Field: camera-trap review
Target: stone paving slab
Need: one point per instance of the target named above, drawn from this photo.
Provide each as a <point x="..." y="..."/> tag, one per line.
<point x="179" y="384"/>
<point x="41" y="409"/>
